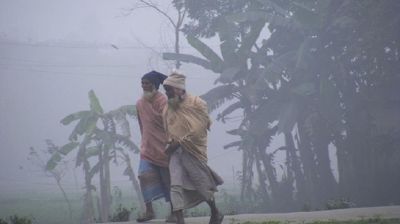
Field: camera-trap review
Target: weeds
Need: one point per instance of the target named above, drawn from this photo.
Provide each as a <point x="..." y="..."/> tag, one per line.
<point x="16" y="220"/>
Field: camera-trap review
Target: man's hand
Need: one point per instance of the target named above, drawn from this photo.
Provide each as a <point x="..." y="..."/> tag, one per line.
<point x="171" y="147"/>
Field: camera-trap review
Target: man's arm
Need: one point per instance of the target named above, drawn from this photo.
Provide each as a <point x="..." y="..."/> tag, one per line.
<point x="139" y="121"/>
<point x="171" y="147"/>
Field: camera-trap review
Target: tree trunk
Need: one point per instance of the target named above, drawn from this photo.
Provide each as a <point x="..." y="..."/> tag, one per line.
<point x="271" y="175"/>
<point x="327" y="185"/>
<point x="104" y="184"/>
<point x="65" y="198"/>
<point x="247" y="175"/>
<point x="136" y="186"/>
<point x="309" y="166"/>
<point x="261" y="179"/>
<point x="88" y="209"/>
<point x="296" y="167"/>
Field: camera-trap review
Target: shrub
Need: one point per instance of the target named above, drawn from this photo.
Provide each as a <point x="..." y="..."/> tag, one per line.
<point x="121" y="214"/>
<point x="16" y="220"/>
<point x="339" y="204"/>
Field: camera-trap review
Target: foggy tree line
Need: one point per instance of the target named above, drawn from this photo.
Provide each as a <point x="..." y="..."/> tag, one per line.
<point x="327" y="75"/>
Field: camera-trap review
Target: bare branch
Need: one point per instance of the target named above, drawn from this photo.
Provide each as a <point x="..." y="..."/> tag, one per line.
<point x="154" y="6"/>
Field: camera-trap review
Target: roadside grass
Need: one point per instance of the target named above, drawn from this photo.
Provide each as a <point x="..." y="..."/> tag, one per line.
<point x="377" y="220"/>
<point x="49" y="208"/>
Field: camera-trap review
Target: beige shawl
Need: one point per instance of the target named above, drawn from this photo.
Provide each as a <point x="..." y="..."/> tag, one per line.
<point x="188" y="125"/>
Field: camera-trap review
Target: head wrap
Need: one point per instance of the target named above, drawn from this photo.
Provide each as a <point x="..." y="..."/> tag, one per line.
<point x="155" y="77"/>
<point x="176" y="80"/>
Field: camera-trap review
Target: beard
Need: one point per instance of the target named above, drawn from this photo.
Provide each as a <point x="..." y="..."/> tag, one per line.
<point x="148" y="95"/>
<point x="174" y="102"/>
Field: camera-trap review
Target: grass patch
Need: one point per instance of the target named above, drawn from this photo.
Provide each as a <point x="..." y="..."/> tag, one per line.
<point x="361" y="221"/>
<point x="50" y="208"/>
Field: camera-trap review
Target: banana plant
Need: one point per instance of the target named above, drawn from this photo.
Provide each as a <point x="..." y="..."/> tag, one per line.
<point x="98" y="138"/>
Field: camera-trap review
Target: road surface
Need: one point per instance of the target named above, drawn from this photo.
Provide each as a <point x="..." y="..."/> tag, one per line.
<point x="299" y="217"/>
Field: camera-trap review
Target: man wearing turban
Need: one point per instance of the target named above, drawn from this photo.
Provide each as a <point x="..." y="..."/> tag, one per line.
<point x="153" y="166"/>
<point x="186" y="122"/>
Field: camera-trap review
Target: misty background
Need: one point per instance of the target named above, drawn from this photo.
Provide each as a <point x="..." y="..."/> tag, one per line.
<point x="53" y="52"/>
<point x="303" y="95"/>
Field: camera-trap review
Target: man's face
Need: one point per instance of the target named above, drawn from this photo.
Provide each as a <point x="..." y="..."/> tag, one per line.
<point x="169" y="91"/>
<point x="173" y="92"/>
<point x="147" y="86"/>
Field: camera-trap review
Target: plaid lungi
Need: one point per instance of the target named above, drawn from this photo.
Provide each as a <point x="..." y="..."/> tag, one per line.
<point x="154" y="181"/>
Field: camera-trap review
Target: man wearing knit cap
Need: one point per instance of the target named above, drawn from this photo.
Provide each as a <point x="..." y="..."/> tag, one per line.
<point x="186" y="122"/>
<point x="153" y="166"/>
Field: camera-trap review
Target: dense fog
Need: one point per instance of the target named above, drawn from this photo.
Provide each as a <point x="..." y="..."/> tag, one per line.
<point x="303" y="96"/>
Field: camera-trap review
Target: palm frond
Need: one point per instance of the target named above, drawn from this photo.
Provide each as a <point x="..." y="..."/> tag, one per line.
<point x="219" y="95"/>
<point x="74" y="116"/>
<point x="95" y="169"/>
<point x="221" y="116"/>
<point x="126" y="142"/>
<point x="215" y="61"/>
<point x="53" y="161"/>
<point x="120" y="117"/>
<point x="82" y="150"/>
<point x="95" y="103"/>
<point x="67" y="148"/>
<point x="233" y="144"/>
<point x="187" y="58"/>
<point x="124" y="110"/>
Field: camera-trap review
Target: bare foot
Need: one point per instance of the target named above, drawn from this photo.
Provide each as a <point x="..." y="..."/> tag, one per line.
<point x="171" y="218"/>
<point x="145" y="217"/>
<point x="216" y="218"/>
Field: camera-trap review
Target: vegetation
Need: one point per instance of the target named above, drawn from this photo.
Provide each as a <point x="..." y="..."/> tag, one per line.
<point x="15" y="219"/>
<point x="361" y="221"/>
<point x="320" y="74"/>
<point x="122" y="214"/>
<point x="98" y="138"/>
<point x="56" y="173"/>
<point x="314" y="73"/>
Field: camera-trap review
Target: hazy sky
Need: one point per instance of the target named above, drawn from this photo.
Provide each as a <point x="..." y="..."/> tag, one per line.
<point x="46" y="72"/>
<point x="83" y="20"/>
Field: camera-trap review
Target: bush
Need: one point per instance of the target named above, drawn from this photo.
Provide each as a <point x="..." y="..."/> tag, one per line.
<point x="16" y="220"/>
<point x="121" y="214"/>
<point x="339" y="204"/>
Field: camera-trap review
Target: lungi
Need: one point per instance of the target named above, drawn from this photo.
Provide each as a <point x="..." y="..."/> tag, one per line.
<point x="192" y="180"/>
<point x="154" y="181"/>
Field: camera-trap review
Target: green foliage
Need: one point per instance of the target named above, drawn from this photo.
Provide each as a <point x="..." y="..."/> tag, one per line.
<point x="361" y="221"/>
<point x="98" y="137"/>
<point x="339" y="204"/>
<point x="207" y="52"/>
<point x="75" y="116"/>
<point x="19" y="220"/>
<point x="15" y="219"/>
<point x="52" y="162"/>
<point x="188" y="59"/>
<point x="121" y="214"/>
<point x="266" y="222"/>
<point x="94" y="103"/>
<point x="67" y="148"/>
<point x="219" y="95"/>
<point x="315" y="73"/>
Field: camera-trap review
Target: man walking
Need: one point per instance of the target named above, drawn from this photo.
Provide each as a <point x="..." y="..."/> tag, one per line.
<point x="186" y="122"/>
<point x="153" y="167"/>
